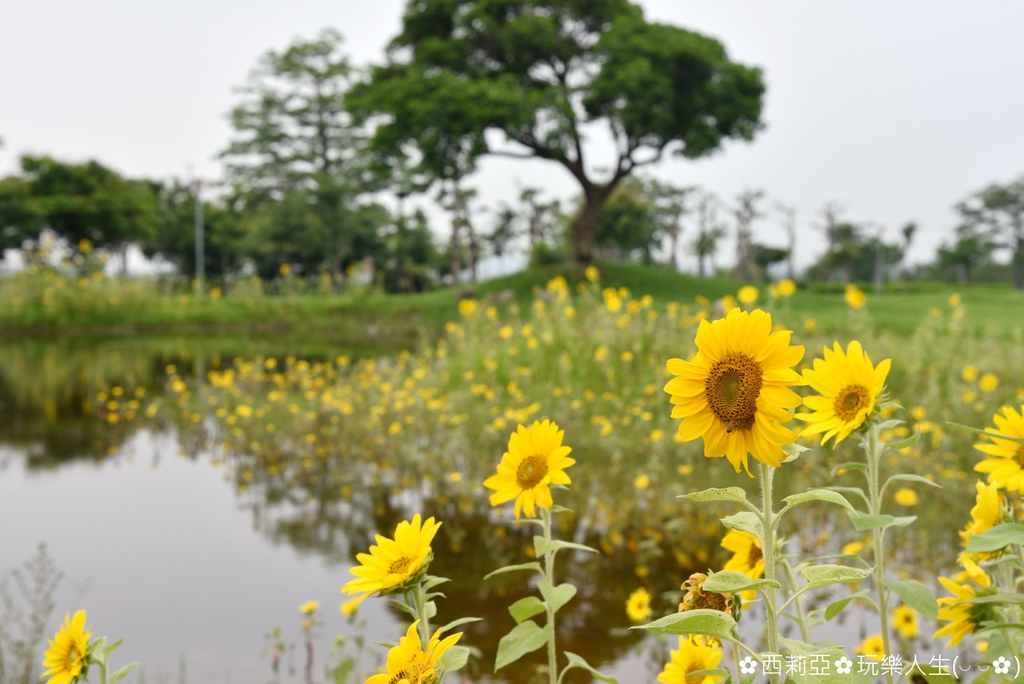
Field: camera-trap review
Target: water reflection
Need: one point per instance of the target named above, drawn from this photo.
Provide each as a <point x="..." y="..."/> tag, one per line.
<point x="324" y="451"/>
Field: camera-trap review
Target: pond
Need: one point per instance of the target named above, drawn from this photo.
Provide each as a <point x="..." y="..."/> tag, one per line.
<point x="196" y="491"/>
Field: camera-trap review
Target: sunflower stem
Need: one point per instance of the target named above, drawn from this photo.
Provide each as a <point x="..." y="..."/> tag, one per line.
<point x="874" y="448"/>
<point x="419" y="607"/>
<point x="768" y="551"/>
<point x="549" y="575"/>
<point x="801" y="615"/>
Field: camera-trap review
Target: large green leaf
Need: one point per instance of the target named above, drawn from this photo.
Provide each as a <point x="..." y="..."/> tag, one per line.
<point x="827" y="673"/>
<point x="731" y="582"/>
<point x="996" y="538"/>
<point x="916" y="595"/>
<point x="541" y="546"/>
<point x="826" y="495"/>
<point x="710" y="622"/>
<point x="736" y="494"/>
<point x="556" y="597"/>
<point x="533" y="565"/>
<point x="745" y="521"/>
<point x="455" y="658"/>
<point x="580" y="662"/>
<point x="907" y="477"/>
<point x="526" y="637"/>
<point x="836" y="607"/>
<point x="526" y="608"/>
<point x="823" y="575"/>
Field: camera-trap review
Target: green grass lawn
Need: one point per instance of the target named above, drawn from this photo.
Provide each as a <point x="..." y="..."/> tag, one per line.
<point x="47" y="308"/>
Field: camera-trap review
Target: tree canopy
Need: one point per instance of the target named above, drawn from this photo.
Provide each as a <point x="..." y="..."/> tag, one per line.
<point x="539" y="72"/>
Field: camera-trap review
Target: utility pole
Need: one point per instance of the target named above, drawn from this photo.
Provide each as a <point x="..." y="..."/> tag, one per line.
<point x="200" y="257"/>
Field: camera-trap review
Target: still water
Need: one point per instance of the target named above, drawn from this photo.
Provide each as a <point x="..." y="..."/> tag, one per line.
<point x="193" y="541"/>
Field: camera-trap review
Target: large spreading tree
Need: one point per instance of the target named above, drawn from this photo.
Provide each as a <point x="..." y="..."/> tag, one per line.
<point x="539" y="73"/>
<point x="997" y="213"/>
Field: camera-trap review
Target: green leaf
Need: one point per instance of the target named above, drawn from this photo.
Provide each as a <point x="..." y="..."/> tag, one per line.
<point x="906" y="477"/>
<point x="736" y="494"/>
<point x="430" y="581"/>
<point x="455" y="658"/>
<point x="849" y="465"/>
<point x="793" y="451"/>
<point x="745" y="521"/>
<point x="401" y="605"/>
<point x="996" y="538"/>
<point x="890" y="424"/>
<point x="836" y="607"/>
<point x="823" y="575"/>
<point x="461" y="621"/>
<point x="559" y="545"/>
<point x="107" y="650"/>
<point x="904" y="443"/>
<point x="534" y="565"/>
<point x="710" y="622"/>
<point x="731" y="582"/>
<point x="559" y="509"/>
<point x="867" y="521"/>
<point x="556" y="597"/>
<point x="526" y="637"/>
<point x="817" y="495"/>
<point x="526" y="608"/>
<point x="721" y="672"/>
<point x="1012" y="438"/>
<point x="916" y="595"/>
<point x="997" y="598"/>
<point x="580" y="662"/>
<point x="430" y="608"/>
<point x="122" y="673"/>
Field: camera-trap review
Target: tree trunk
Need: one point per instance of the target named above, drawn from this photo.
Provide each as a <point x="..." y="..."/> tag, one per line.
<point x="1018" y="263"/>
<point x="584" y="226"/>
<point x="963" y="273"/>
<point x="700" y="265"/>
<point x="124" y="261"/>
<point x="675" y="248"/>
<point x="453" y="252"/>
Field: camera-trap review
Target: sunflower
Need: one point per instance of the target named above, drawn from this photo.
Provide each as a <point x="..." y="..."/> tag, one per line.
<point x="872" y="648"/>
<point x="904" y="620"/>
<point x="69" y="651"/>
<point x="1005" y="462"/>
<point x="694" y="653"/>
<point x="735" y="392"/>
<point x="638" y="606"/>
<point x="535" y="460"/>
<point x="848" y="386"/>
<point x="309" y="607"/>
<point x="698" y="598"/>
<point x="393" y="563"/>
<point x="963" y="617"/>
<point x="410" y="664"/>
<point x="747" y="558"/>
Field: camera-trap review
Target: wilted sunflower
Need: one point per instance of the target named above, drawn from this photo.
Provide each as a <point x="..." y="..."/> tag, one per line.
<point x="698" y="598"/>
<point x="695" y="653"/>
<point x="535" y="460"/>
<point x="392" y="563"/>
<point x="735" y="392"/>
<point x="638" y="605"/>
<point x="410" y="664"/>
<point x="1005" y="462"/>
<point x="963" y="617"/>
<point x="848" y="385"/>
<point x="747" y="558"/>
<point x="68" y="650"/>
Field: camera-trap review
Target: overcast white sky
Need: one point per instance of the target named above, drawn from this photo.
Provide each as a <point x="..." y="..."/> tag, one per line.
<point x="894" y="109"/>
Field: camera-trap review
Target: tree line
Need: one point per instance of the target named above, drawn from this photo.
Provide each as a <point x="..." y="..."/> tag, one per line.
<point x="317" y="142"/>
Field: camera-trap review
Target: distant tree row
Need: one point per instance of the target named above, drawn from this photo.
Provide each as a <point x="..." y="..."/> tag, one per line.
<point x="317" y="143"/>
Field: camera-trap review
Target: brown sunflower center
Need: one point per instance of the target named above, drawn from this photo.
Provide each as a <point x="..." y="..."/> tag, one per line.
<point x="399" y="565"/>
<point x="851" y="400"/>
<point x="755" y="556"/>
<point x="531" y="471"/>
<point x="695" y="665"/>
<point x="732" y="388"/>
<point x="412" y="675"/>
